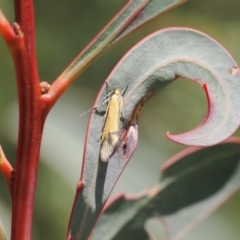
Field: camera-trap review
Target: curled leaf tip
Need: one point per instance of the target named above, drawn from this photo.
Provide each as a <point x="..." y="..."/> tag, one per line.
<point x="166" y="54"/>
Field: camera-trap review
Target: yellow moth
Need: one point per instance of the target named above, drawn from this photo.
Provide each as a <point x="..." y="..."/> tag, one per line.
<point x="110" y="131"/>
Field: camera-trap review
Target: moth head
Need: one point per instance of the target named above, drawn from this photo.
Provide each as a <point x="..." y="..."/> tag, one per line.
<point x="117" y="92"/>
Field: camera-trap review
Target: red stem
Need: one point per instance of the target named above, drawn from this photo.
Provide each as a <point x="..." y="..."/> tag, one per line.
<point x="31" y="121"/>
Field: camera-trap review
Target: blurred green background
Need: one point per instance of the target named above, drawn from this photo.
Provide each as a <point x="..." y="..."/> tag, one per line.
<point x="63" y="28"/>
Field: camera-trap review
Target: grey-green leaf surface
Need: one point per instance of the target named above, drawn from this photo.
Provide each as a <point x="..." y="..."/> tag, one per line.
<point x="147" y="68"/>
<point x="194" y="184"/>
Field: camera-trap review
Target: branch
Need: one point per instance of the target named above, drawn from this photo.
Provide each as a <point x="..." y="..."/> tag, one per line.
<point x="31" y="120"/>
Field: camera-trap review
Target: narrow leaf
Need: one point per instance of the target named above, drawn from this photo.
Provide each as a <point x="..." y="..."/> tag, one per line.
<point x="132" y="16"/>
<point x="153" y="9"/>
<point x="105" y="36"/>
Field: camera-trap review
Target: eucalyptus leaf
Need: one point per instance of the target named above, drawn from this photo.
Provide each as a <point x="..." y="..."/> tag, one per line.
<point x="148" y="67"/>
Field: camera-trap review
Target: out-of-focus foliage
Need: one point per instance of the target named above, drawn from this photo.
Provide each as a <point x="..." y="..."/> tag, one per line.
<point x="193" y="183"/>
<point x="62" y="30"/>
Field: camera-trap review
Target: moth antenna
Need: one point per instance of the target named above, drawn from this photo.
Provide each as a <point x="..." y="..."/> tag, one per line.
<point x="124" y="90"/>
<point x="106" y="100"/>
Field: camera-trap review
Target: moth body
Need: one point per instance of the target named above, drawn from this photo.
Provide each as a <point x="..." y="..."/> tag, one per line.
<point x="110" y="131"/>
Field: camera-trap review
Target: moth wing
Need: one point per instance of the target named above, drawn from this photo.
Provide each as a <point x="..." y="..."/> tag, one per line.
<point x="109" y="145"/>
